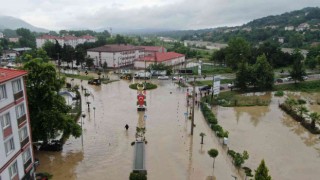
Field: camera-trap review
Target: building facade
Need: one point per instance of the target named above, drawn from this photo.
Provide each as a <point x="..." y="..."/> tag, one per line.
<point x="115" y="56"/>
<point x="16" y="153"/>
<point x="166" y="58"/>
<point x="67" y="40"/>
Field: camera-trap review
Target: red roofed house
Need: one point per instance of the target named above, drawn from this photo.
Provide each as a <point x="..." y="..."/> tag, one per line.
<point x="16" y="153"/>
<point x="151" y="50"/>
<point x="167" y="58"/>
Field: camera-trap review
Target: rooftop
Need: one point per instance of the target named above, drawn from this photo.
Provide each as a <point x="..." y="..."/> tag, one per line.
<point x="115" y="48"/>
<point x="153" y="48"/>
<point x="160" y="57"/>
<point x="8" y="74"/>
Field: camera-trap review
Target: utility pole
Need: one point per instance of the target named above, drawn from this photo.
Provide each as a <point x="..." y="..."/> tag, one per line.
<point x="193" y="97"/>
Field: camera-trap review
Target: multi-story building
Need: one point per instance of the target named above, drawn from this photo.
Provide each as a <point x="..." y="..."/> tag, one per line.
<point x="68" y="40"/>
<point x="16" y="153"/>
<point x="166" y="58"/>
<point x="115" y="55"/>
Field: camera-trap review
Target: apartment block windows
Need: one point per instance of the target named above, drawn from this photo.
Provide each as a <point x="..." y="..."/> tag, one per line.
<point x="9" y="146"/>
<point x="16" y="86"/>
<point x="13" y="170"/>
<point x="3" y="92"/>
<point x="5" y="121"/>
<point x="20" y="111"/>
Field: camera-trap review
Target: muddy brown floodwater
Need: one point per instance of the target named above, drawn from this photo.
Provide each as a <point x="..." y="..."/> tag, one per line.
<point x="290" y="151"/>
<point x="106" y="153"/>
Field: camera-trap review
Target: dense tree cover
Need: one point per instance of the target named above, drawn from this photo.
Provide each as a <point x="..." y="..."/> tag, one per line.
<point x="313" y="57"/>
<point x="298" y="71"/>
<point x="260" y="75"/>
<point x="78" y="33"/>
<point x="238" y="51"/>
<point x="34" y="54"/>
<point x="180" y="48"/>
<point x="26" y="38"/>
<point x="262" y="172"/>
<point x="48" y="110"/>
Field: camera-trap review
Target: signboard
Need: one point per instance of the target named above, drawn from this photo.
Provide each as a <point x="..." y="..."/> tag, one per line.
<point x="216" y="85"/>
<point x="199" y="68"/>
<point x="141" y="100"/>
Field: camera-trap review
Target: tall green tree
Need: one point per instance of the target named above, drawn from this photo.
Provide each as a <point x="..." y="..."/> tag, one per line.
<point x="238" y="50"/>
<point x="48" y="110"/>
<point x="264" y="75"/>
<point x="243" y="76"/>
<point x="297" y="71"/>
<point x="262" y="172"/>
<point x="27" y="39"/>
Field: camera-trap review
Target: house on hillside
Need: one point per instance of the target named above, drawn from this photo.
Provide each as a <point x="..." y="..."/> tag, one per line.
<point x="289" y="28"/>
<point x="68" y="40"/>
<point x="1" y="35"/>
<point x="303" y="27"/>
<point x="14" y="39"/>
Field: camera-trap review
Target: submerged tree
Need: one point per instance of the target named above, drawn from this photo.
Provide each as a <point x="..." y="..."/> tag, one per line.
<point x="213" y="153"/>
<point x="48" y="110"/>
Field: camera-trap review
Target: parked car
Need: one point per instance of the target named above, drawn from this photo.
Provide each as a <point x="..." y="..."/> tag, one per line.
<point x="305" y="77"/>
<point x="230" y="85"/>
<point x="163" y="77"/>
<point x="205" y="88"/>
<point x="177" y="78"/>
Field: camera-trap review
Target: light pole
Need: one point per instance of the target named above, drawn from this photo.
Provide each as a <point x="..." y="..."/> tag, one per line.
<point x="82" y="117"/>
<point x="88" y="103"/>
<point x="193" y="98"/>
<point x="94" y="112"/>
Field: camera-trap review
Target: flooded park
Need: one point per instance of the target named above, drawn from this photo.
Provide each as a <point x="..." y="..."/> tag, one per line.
<point x="105" y="152"/>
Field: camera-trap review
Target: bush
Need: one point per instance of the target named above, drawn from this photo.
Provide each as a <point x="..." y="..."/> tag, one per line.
<point x="279" y="93"/>
<point x="138" y="176"/>
<point x="148" y="86"/>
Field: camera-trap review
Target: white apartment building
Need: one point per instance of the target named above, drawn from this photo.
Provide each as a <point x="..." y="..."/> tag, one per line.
<point x="115" y="56"/>
<point x="68" y="40"/>
<point x="16" y="153"/>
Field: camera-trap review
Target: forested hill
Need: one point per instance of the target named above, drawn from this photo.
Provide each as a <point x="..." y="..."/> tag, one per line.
<point x="310" y="15"/>
<point x="296" y="29"/>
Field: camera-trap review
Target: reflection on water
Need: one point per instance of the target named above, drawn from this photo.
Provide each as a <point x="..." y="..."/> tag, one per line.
<point x="268" y="133"/>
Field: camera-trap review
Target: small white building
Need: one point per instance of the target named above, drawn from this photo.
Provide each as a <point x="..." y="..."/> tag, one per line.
<point x="9" y="54"/>
<point x="167" y="58"/>
<point x="68" y="40"/>
<point x="289" y="28"/>
<point x="115" y="55"/>
<point x="16" y="153"/>
<point x="1" y="35"/>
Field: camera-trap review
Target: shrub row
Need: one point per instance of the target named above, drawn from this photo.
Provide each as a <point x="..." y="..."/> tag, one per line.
<point x="238" y="159"/>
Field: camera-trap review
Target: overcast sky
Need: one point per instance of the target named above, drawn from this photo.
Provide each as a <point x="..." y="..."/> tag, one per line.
<point x="139" y="14"/>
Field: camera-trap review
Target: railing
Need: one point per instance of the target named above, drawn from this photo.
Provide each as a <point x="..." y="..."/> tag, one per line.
<point x="24" y="142"/>
<point x="18" y="95"/>
<point x="21" y="119"/>
<point x="27" y="164"/>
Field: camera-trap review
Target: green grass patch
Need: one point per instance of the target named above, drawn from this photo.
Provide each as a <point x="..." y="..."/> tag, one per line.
<point x="209" y="82"/>
<point x="148" y="86"/>
<point x="279" y="93"/>
<point x="306" y="86"/>
<point x="234" y="98"/>
<point x="210" y="69"/>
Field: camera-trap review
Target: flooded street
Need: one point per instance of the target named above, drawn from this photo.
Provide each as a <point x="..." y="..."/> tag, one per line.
<point x="290" y="151"/>
<point x="107" y="153"/>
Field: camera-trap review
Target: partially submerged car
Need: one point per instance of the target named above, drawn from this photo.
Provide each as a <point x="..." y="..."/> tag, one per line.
<point x="95" y="81"/>
<point x="163" y="77"/>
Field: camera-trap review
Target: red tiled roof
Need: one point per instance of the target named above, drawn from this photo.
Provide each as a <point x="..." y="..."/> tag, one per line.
<point x="47" y="36"/>
<point x="152" y="48"/>
<point x="68" y="37"/>
<point x="87" y="37"/>
<point x="160" y="57"/>
<point x="115" y="48"/>
<point x="8" y="74"/>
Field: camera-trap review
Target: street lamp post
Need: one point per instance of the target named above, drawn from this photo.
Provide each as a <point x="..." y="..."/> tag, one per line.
<point x="82" y="117"/>
<point x="94" y="112"/>
<point x="88" y="103"/>
<point x="193" y="99"/>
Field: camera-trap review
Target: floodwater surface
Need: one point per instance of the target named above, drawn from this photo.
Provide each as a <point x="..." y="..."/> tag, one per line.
<point x="106" y="151"/>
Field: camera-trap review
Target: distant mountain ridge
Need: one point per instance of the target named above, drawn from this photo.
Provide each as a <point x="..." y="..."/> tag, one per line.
<point x="8" y="22"/>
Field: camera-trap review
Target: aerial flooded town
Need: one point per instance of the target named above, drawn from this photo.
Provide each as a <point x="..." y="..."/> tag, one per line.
<point x="94" y="95"/>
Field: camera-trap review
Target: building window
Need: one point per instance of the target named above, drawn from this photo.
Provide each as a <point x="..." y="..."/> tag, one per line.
<point x="13" y="170"/>
<point x="20" y="110"/>
<point x="3" y="92"/>
<point x="23" y="133"/>
<point x="9" y="146"/>
<point x="16" y="86"/>
<point x="26" y="156"/>
<point x="5" y="121"/>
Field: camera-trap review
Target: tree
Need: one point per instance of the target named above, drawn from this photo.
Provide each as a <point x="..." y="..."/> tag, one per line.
<point x="27" y="39"/>
<point x="48" y="110"/>
<point x="315" y="118"/>
<point x="297" y="72"/>
<point x="243" y="76"/>
<point x="202" y="135"/>
<point x="264" y="75"/>
<point x="238" y="50"/>
<point x="213" y="153"/>
<point x="262" y="172"/>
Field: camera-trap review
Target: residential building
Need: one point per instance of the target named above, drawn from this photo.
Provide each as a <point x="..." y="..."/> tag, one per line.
<point x="9" y="54"/>
<point x="68" y="40"/>
<point x="14" y="39"/>
<point x="1" y="35"/>
<point x="167" y="58"/>
<point x="16" y="153"/>
<point x="289" y="28"/>
<point x="281" y="40"/>
<point x="115" y="55"/>
<point x="151" y="50"/>
<point x="302" y="27"/>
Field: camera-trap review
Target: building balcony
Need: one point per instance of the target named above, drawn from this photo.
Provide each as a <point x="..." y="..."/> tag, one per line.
<point x="18" y="95"/>
<point x="24" y="142"/>
<point x="21" y="119"/>
<point x="27" y="164"/>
